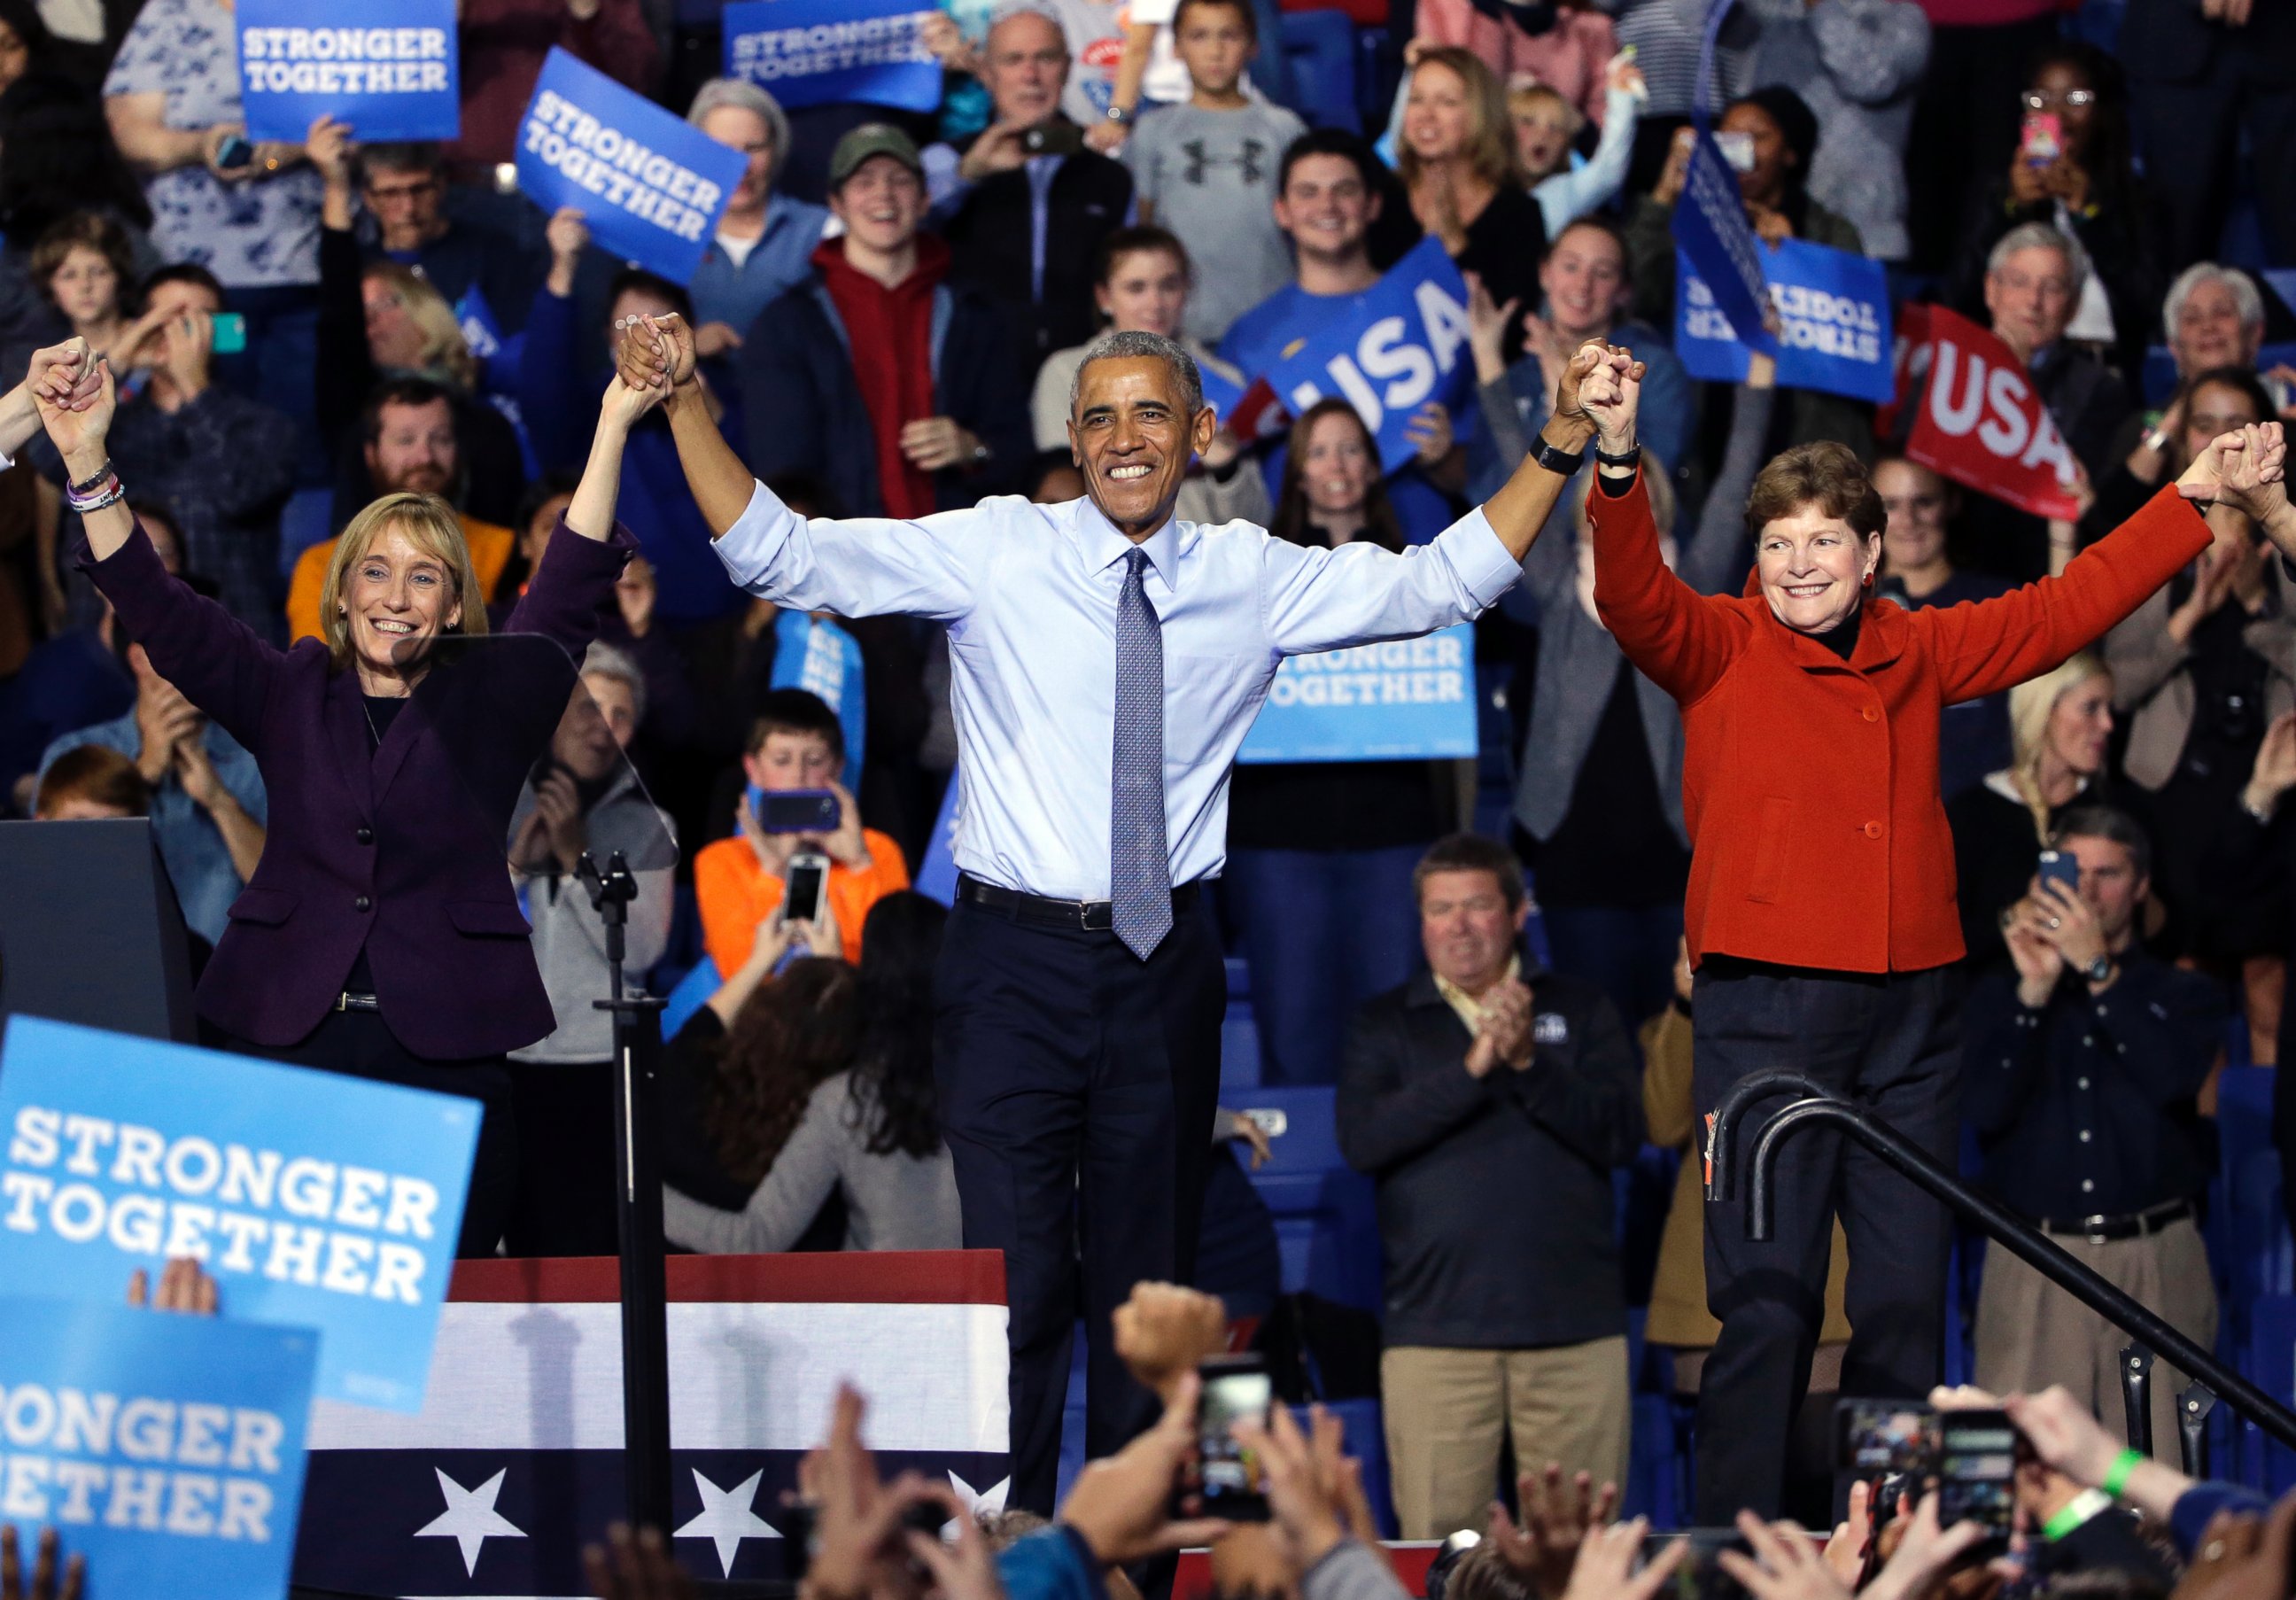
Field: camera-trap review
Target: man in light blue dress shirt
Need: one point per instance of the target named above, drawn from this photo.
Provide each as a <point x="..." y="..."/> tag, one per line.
<point x="1105" y="661"/>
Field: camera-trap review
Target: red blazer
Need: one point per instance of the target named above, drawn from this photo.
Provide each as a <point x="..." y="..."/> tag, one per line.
<point x="1811" y="785"/>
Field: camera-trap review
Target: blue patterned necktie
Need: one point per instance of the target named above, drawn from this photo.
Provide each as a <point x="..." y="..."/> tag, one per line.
<point x="1140" y="874"/>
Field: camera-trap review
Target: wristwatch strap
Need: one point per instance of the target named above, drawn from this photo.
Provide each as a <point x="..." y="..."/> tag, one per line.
<point x="1626" y="460"/>
<point x="1555" y="459"/>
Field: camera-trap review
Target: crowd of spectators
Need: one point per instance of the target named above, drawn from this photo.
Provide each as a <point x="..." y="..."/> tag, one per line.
<point x="890" y="317"/>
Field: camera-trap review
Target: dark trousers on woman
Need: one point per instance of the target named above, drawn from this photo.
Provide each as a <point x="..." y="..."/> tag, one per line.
<point x="1892" y="1044"/>
<point x="1077" y="1088"/>
<point x="358" y="1044"/>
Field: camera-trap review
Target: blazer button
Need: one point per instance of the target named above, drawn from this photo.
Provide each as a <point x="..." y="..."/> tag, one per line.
<point x="362" y="904"/>
<point x="1873" y="830"/>
<point x="1872" y="715"/>
<point x="365" y="834"/>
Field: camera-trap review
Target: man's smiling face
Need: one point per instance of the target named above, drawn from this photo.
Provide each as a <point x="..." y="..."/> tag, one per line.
<point x="1133" y="437"/>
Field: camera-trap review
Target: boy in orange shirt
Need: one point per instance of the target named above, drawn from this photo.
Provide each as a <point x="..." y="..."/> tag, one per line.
<point x="739" y="881"/>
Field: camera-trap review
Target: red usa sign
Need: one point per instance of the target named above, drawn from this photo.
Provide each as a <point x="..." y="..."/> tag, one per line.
<point x="1981" y="424"/>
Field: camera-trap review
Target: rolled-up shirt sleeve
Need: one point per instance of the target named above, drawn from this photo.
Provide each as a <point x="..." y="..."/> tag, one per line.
<point x="1316" y="599"/>
<point x="863" y="566"/>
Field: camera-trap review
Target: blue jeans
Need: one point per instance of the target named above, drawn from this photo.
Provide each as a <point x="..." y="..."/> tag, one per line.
<point x="1324" y="931"/>
<point x="1625" y="951"/>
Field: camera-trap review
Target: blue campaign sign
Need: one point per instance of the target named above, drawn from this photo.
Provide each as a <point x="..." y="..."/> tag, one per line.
<point x="1405" y="698"/>
<point x="167" y="1450"/>
<point x="314" y="1199"/>
<point x="651" y="184"/>
<point x="389" y="68"/>
<point x="815" y="52"/>
<point x="1710" y="228"/>
<point x="1833" y="322"/>
<point x="1402" y="345"/>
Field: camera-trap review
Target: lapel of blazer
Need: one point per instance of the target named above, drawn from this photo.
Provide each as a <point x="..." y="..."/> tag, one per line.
<point x="347" y="731"/>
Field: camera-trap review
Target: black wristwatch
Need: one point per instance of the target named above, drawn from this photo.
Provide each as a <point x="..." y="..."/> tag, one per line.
<point x="2099" y="969"/>
<point x="1561" y="461"/>
<point x="1626" y="460"/>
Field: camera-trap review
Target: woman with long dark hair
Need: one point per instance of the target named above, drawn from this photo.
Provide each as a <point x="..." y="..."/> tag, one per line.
<point x="831" y="1077"/>
<point x="1320" y="854"/>
<point x="2072" y="169"/>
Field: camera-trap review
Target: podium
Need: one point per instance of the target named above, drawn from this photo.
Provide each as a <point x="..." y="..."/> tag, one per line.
<point x="90" y="931"/>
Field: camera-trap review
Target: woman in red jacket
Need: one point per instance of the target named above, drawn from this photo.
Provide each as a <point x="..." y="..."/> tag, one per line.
<point x="1820" y="909"/>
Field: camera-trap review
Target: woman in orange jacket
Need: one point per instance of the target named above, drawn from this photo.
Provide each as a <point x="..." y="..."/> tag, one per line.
<point x="1820" y="911"/>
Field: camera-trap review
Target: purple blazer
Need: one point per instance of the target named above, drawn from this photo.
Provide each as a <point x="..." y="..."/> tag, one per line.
<point x="398" y="850"/>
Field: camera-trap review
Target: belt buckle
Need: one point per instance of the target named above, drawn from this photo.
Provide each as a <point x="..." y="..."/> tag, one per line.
<point x="1096" y="917"/>
<point x="2092" y="1228"/>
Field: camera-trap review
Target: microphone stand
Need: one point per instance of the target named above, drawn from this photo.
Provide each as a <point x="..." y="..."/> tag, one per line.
<point x="644" y="1289"/>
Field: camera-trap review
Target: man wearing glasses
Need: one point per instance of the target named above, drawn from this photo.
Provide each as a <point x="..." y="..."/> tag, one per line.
<point x="403" y="187"/>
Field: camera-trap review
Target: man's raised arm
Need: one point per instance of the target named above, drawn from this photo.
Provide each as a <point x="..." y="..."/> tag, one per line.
<point x="659" y="350"/>
<point x="1524" y="502"/>
<point x="857" y="566"/>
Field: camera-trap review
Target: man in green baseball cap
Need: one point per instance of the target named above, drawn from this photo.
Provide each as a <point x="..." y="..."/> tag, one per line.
<point x="868" y="141"/>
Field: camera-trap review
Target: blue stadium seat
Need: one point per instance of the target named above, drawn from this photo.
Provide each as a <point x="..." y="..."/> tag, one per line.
<point x="303" y="523"/>
<point x="1321" y="47"/>
<point x="2248" y="1231"/>
<point x="693" y="991"/>
<point x="2269" y="1360"/>
<point x="1324" y="1224"/>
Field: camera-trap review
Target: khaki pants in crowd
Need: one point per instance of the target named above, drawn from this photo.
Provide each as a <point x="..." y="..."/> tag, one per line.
<point x="1445" y="1410"/>
<point x="2031" y="1333"/>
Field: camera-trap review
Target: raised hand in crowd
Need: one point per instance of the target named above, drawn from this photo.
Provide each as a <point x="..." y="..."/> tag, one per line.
<point x="1676" y="171"/>
<point x="820" y="934"/>
<point x="1487" y="330"/>
<point x="1558" y="1514"/>
<point x="1846" y="1553"/>
<point x="1786" y="1563"/>
<point x="1121" y="1506"/>
<point x="857" y="1547"/>
<point x="940" y="35"/>
<point x="555" y="834"/>
<point x="1163" y="1330"/>
<point x="2242" y="1557"/>
<point x="2024" y="928"/>
<point x="1430" y="433"/>
<point x="1923" y="1553"/>
<point x="329" y="146"/>
<point x="51" y="1579"/>
<point x="164" y="719"/>
<point x="2274" y="773"/>
<point x="2068" y="1439"/>
<point x="184" y="1286"/>
<point x="634" y="1568"/>
<point x="568" y="235"/>
<point x="1604" y="1568"/>
<point x="932" y="443"/>
<point x="964" y="1568"/>
<point x="1304" y="1515"/>
<point x="1003" y="146"/>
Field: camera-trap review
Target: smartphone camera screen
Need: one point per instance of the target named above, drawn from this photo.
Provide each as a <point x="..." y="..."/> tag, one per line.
<point x="1228" y="1475"/>
<point x="1882" y="1436"/>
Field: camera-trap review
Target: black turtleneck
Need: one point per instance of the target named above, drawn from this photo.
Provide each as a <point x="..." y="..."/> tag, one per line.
<point x="1841" y="638"/>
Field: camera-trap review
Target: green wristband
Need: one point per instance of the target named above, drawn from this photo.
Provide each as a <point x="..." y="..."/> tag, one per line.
<point x="2115" y="1477"/>
<point x="2077" y="1514"/>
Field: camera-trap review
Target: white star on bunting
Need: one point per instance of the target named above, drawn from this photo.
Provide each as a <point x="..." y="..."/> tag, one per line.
<point x="727" y="1518"/>
<point x="977" y="1501"/>
<point x="470" y="1518"/>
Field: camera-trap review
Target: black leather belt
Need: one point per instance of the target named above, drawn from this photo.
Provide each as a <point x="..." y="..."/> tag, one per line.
<point x="1087" y="916"/>
<point x="2104" y="1230"/>
<point x="346" y="1001"/>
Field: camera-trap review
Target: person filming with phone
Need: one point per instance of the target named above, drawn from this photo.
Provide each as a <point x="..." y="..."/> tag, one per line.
<point x="2079" y="1066"/>
<point x="799" y="852"/>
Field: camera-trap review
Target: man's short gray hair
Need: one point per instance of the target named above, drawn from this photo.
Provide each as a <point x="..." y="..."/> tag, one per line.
<point x="2041" y="235"/>
<point x="1135" y="345"/>
<point x="2245" y="294"/>
<point x="1009" y="9"/>
<point x="721" y="92"/>
<point x="603" y="660"/>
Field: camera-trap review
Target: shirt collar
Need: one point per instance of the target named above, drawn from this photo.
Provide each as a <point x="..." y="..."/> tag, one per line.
<point x="1470" y="1010"/>
<point x="1104" y="547"/>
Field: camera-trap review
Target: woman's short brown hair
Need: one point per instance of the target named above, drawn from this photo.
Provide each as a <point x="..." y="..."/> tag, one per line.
<point x="1824" y="476"/>
<point x="85" y="230"/>
<point x="431" y="526"/>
